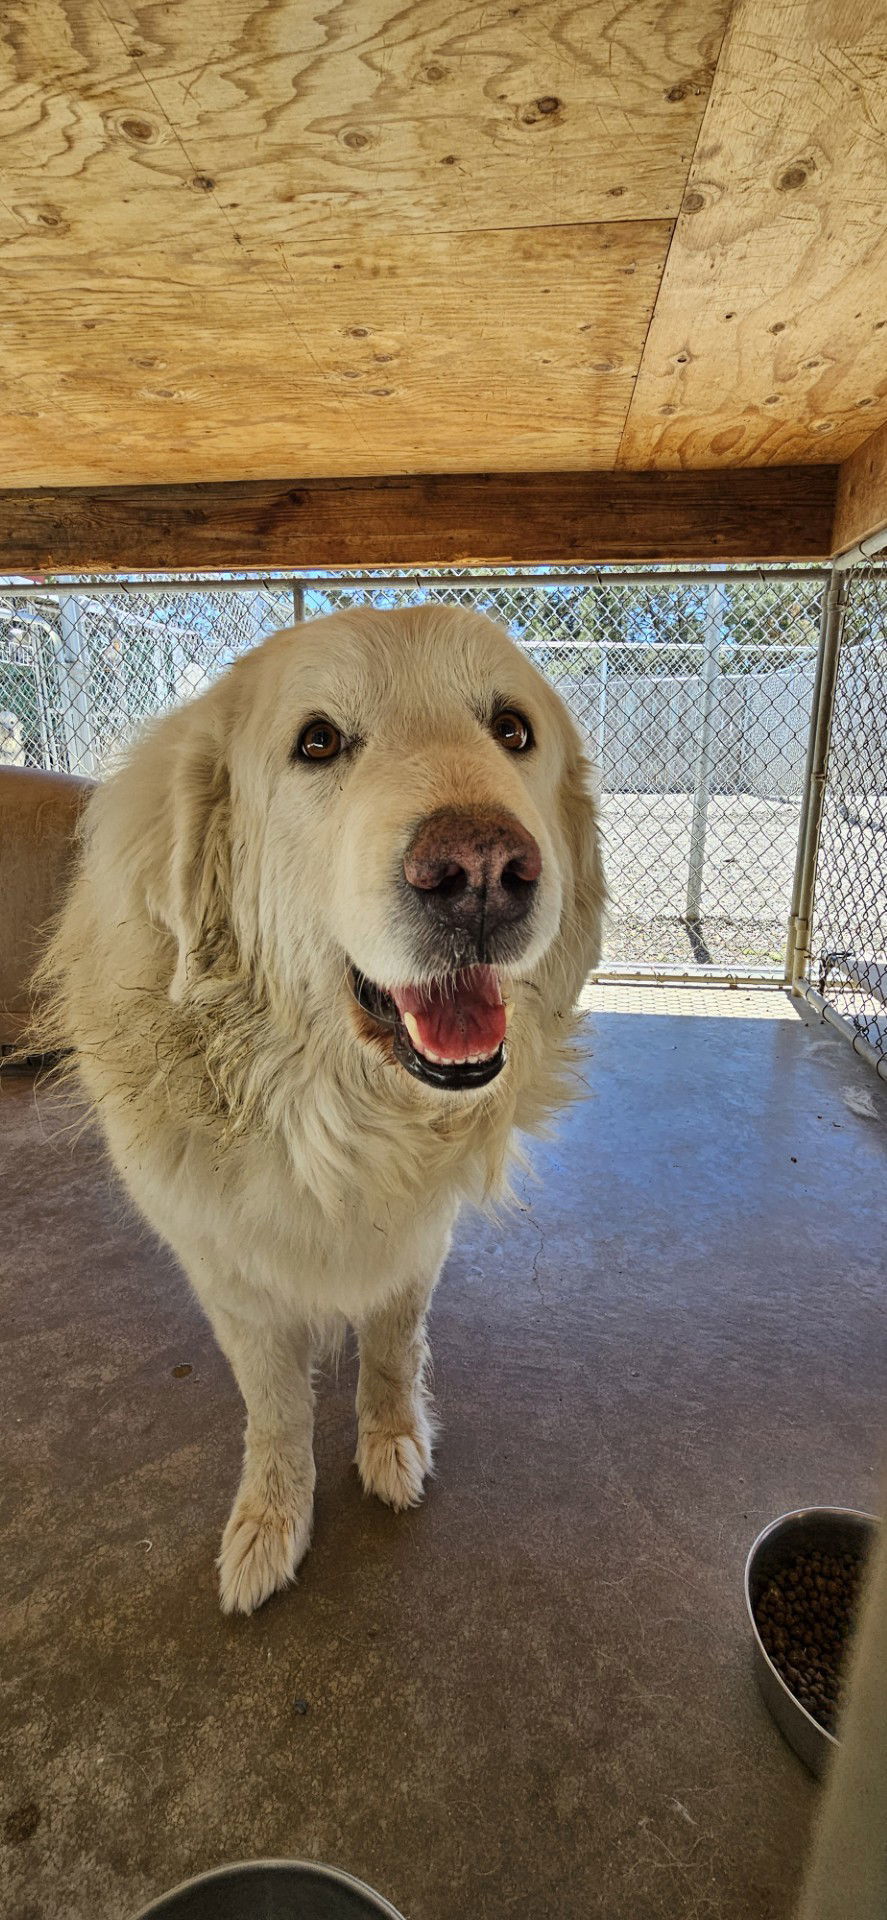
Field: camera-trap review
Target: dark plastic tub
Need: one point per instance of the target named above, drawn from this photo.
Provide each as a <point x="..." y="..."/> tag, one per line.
<point x="272" y="1890"/>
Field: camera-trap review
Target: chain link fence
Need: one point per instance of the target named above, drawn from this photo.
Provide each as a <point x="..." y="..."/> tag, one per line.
<point x="81" y="667"/>
<point x="849" y="946"/>
<point x="692" y="691"/>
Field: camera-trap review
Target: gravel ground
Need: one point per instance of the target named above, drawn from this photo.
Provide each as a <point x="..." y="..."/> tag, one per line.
<point x="747" y="879"/>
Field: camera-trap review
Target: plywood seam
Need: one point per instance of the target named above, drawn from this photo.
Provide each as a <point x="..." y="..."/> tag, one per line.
<point x="551" y="226"/>
<point x="690" y="164"/>
<point x="636" y="375"/>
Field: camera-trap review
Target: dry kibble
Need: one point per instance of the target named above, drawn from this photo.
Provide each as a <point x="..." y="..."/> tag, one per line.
<point x="804" y="1617"/>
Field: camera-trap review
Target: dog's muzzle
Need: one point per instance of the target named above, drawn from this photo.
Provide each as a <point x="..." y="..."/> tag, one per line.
<point x="450" y="1034"/>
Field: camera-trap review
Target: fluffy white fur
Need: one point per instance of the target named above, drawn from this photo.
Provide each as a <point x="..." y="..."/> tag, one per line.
<point x="199" y="975"/>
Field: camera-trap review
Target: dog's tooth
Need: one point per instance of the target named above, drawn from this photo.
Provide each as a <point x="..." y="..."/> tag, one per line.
<point x="509" y="1009"/>
<point x="412" y="1027"/>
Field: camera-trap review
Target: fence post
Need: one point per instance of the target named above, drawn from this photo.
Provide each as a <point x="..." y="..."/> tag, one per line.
<point x="298" y="603"/>
<point x="254" y="624"/>
<point x="602" y="713"/>
<point x="162" y="688"/>
<point x="797" y="946"/>
<point x="713" y="634"/>
<point x="72" y="666"/>
<point x="45" y="650"/>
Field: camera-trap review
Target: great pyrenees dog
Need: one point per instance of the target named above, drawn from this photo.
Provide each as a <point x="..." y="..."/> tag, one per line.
<point x="319" y="959"/>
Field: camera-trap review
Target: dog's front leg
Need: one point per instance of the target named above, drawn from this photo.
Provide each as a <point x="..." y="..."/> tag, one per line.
<point x="270" y="1525"/>
<point x="395" y="1426"/>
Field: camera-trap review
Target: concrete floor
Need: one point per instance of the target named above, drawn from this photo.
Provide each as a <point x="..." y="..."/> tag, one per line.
<point x="533" y="1695"/>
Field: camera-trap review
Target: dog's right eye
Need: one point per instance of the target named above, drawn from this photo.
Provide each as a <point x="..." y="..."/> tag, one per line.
<point x="320" y="740"/>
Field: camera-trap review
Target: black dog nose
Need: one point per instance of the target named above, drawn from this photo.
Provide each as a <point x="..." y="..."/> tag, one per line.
<point x="474" y="870"/>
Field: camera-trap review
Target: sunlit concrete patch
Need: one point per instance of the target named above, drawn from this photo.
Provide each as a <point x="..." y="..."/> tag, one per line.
<point x="701" y="1003"/>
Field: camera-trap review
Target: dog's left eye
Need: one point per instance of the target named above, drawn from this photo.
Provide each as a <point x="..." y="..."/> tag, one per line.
<point x="512" y="731"/>
<point x="320" y="740"/>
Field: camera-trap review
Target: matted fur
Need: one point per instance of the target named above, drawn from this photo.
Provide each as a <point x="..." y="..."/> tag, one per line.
<point x="199" y="976"/>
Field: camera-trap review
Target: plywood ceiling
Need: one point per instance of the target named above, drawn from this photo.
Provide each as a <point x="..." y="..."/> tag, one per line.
<point x="246" y="240"/>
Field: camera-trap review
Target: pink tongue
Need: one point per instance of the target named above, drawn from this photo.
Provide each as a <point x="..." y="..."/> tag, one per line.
<point x="459" y="1017"/>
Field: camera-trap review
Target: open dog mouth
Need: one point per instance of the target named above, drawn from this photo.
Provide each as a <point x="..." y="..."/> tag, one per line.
<point x="449" y="1034"/>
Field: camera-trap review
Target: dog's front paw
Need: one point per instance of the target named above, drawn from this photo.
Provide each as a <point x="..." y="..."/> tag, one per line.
<point x="393" y="1465"/>
<point x="262" y="1545"/>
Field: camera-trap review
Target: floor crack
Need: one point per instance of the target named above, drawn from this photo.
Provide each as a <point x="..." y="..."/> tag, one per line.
<point x="529" y="1215"/>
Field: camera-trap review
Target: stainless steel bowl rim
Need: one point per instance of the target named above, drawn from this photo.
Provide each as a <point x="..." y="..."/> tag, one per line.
<point x="798" y="1513"/>
<point x="336" y="1874"/>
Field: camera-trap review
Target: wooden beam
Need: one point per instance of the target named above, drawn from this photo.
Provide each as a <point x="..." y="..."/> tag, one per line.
<point x="765" y="513"/>
<point x="861" y="506"/>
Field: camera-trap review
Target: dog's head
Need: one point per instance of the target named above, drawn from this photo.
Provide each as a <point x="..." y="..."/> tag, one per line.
<point x="388" y="815"/>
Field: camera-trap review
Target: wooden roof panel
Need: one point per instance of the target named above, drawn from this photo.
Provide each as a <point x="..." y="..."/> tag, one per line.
<point x="769" y="340"/>
<point x="445" y="113"/>
<point x="313" y="364"/>
<point x="248" y="241"/>
<point x="861" y="505"/>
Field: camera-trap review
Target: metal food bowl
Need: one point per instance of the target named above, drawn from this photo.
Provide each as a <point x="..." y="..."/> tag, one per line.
<point x="272" y="1890"/>
<point x="811" y="1529"/>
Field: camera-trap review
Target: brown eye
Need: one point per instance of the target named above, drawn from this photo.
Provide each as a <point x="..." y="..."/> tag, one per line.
<point x="512" y="731"/>
<point x="320" y="740"/>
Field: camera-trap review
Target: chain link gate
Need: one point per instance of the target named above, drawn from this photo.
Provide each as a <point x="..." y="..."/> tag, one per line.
<point x="693" y="692"/>
<point x="841" y="963"/>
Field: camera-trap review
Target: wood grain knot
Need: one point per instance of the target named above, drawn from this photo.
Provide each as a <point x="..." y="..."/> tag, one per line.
<point x="39" y="216"/>
<point x="541" y="109"/>
<point x="140" y="132"/>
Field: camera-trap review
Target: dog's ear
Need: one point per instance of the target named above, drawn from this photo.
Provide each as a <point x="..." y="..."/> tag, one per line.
<point x="199" y="872"/>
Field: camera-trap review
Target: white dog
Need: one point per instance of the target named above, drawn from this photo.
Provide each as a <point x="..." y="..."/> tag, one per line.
<point x="318" y="960"/>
